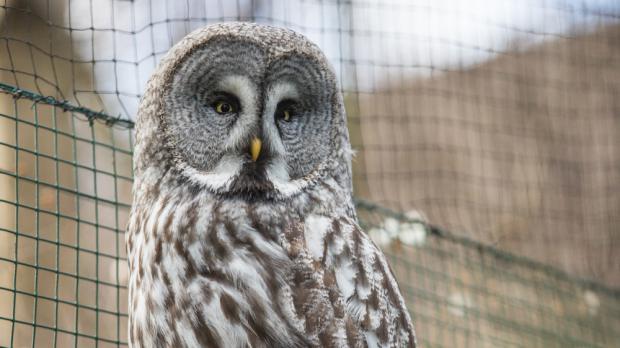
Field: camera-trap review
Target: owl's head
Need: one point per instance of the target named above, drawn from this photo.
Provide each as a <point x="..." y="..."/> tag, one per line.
<point x="246" y="110"/>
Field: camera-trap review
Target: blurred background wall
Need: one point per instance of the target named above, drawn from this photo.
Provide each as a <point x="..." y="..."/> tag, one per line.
<point x="521" y="151"/>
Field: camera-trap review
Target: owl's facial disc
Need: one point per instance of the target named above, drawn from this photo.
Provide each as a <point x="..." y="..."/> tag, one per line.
<point x="246" y="125"/>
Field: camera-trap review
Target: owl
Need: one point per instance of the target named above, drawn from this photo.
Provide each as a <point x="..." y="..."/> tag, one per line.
<point x="243" y="231"/>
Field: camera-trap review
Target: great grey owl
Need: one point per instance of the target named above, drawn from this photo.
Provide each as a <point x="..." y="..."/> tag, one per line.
<point x="243" y="231"/>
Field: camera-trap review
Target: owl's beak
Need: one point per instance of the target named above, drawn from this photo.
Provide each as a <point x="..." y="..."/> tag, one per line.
<point x="255" y="147"/>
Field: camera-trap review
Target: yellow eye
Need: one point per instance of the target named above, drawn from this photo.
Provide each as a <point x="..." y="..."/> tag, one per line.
<point x="222" y="107"/>
<point x="286" y="115"/>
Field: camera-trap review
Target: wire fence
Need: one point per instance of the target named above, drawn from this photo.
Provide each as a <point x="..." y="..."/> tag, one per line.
<point x="497" y="121"/>
<point x="65" y="195"/>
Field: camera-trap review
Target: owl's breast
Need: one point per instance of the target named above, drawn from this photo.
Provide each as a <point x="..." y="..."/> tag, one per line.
<point x="205" y="272"/>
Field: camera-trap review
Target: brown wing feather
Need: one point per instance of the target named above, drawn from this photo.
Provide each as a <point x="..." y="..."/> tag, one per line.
<point x="346" y="293"/>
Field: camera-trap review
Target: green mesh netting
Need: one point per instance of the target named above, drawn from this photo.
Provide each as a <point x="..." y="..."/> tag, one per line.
<point x="494" y="120"/>
<point x="65" y="194"/>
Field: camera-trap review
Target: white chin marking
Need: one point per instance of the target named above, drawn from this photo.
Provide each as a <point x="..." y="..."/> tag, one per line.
<point x="220" y="177"/>
<point x="229" y="167"/>
<point x="277" y="174"/>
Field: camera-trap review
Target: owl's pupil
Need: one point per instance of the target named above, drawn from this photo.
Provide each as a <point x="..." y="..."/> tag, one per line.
<point x="223" y="107"/>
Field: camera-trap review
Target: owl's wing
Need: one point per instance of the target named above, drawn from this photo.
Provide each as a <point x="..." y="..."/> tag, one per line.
<point x="345" y="291"/>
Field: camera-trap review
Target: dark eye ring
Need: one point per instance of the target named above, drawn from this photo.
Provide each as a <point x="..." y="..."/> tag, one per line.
<point x="225" y="104"/>
<point x="285" y="110"/>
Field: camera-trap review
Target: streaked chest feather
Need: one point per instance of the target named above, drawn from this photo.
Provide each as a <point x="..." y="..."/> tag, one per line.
<point x="212" y="273"/>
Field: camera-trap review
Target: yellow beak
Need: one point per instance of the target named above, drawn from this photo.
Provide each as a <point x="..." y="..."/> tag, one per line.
<point x="255" y="148"/>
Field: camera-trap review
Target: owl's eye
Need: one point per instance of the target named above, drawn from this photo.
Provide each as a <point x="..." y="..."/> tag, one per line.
<point x="285" y="111"/>
<point x="223" y="107"/>
<point x="225" y="104"/>
<point x="286" y="115"/>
